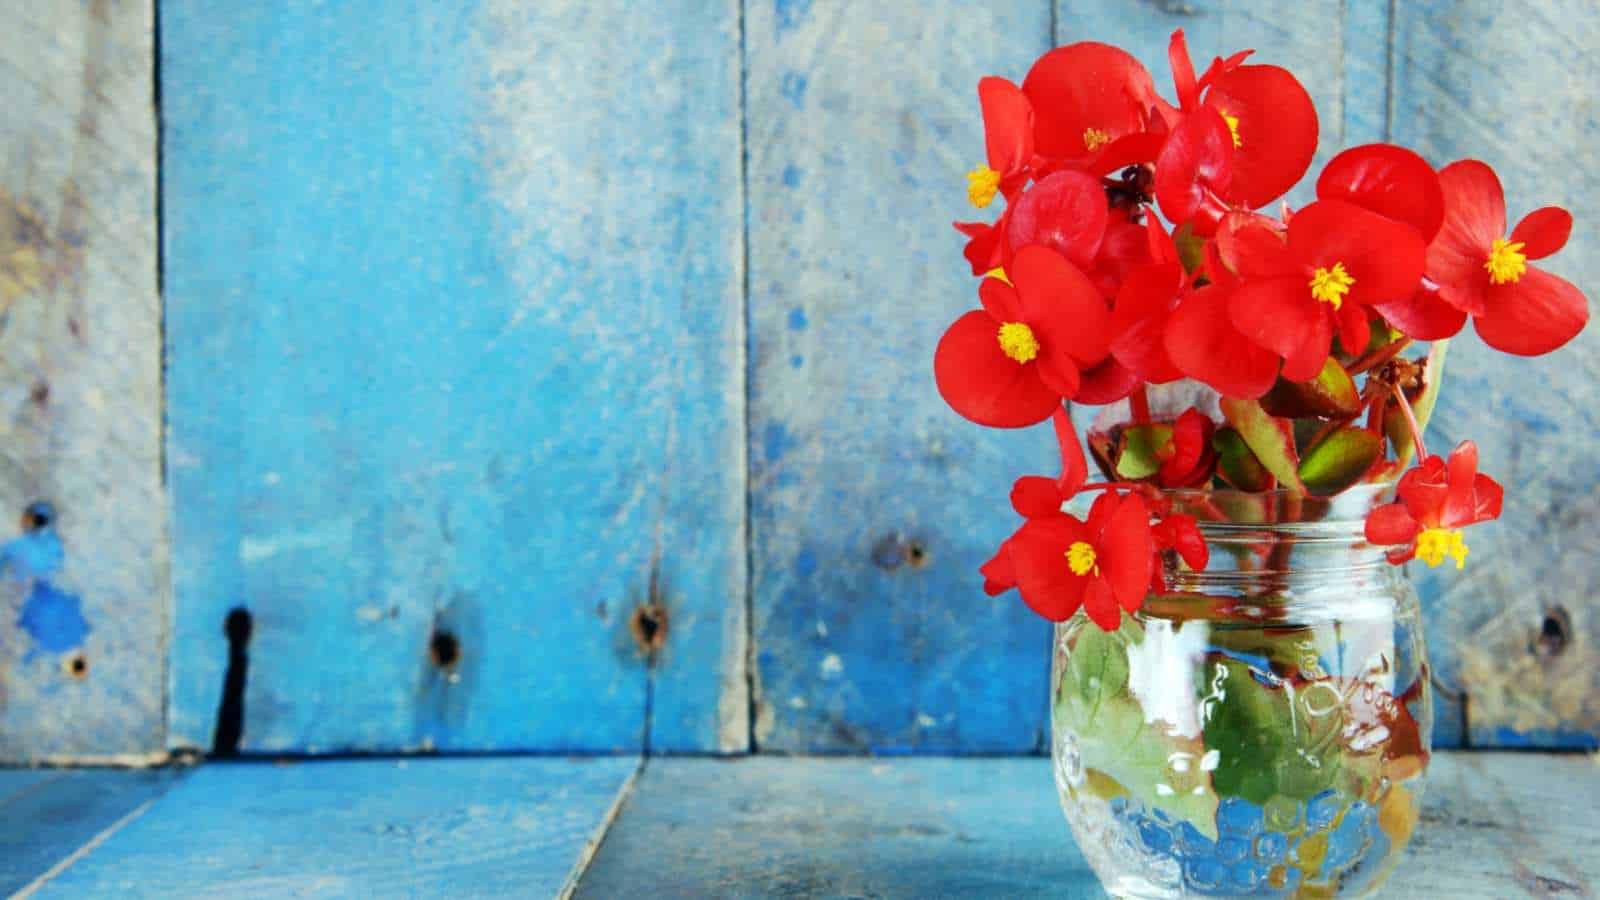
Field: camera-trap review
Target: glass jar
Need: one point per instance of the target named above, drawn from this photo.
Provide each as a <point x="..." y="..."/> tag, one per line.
<point x="1259" y="729"/>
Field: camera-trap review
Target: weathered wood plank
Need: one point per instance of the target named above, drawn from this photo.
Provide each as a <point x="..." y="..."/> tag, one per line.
<point x="872" y="503"/>
<point x="455" y="346"/>
<point x="372" y="828"/>
<point x="57" y="811"/>
<point x="83" y="584"/>
<point x="1517" y="631"/>
<point x="775" y="827"/>
<point x="1494" y="825"/>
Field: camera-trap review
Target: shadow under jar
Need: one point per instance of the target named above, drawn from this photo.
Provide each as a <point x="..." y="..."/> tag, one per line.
<point x="1260" y="729"/>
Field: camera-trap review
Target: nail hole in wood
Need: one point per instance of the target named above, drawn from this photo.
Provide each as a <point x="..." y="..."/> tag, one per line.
<point x="1554" y="633"/>
<point x="77" y="666"/>
<point x="445" y="649"/>
<point x="37" y="516"/>
<point x="648" y="625"/>
<point x="916" y="554"/>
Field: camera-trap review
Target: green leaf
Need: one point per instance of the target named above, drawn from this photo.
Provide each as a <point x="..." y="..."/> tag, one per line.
<point x="1122" y="752"/>
<point x="1330" y="395"/>
<point x="1339" y="459"/>
<point x="1191" y="247"/>
<point x="1270" y="439"/>
<point x="1270" y="740"/>
<point x="1140" y="456"/>
<point x="1394" y="421"/>
<point x="1236" y="465"/>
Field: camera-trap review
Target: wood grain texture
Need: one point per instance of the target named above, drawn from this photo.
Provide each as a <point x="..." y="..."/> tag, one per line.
<point x="455" y="346"/>
<point x="1518" y="630"/>
<point x="83" y="599"/>
<point x="368" y="828"/>
<point x="774" y="827"/>
<point x="48" y="814"/>
<point x="872" y="503"/>
<point x="1494" y="825"/>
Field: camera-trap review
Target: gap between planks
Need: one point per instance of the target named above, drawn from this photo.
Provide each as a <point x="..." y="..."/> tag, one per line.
<point x="88" y="847"/>
<point x="592" y="846"/>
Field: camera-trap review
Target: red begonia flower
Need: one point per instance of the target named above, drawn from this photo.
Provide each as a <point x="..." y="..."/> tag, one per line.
<point x="1295" y="295"/>
<point x="1516" y="308"/>
<point x="1273" y="125"/>
<point x="1194" y="170"/>
<point x="1101" y="565"/>
<point x="1085" y="96"/>
<point x="1203" y="343"/>
<point x="1008" y="142"/>
<point x="1011" y="363"/>
<point x="1435" y="501"/>
<point x="1188" y="458"/>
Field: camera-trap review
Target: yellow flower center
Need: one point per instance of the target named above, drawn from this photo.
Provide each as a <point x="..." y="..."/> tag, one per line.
<point x="1094" y="139"/>
<point x="1434" y="544"/>
<point x="998" y="273"/>
<point x="1506" y="262"/>
<point x="1080" y="558"/>
<point x="1330" y="285"/>
<point x="1018" y="342"/>
<point x="982" y="184"/>
<point x="1233" y="127"/>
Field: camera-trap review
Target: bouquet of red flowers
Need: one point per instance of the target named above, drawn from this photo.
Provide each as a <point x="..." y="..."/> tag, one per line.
<point x="1303" y="327"/>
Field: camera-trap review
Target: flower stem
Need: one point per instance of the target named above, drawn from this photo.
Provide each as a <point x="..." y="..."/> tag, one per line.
<point x="1411" y="421"/>
<point x="1139" y="401"/>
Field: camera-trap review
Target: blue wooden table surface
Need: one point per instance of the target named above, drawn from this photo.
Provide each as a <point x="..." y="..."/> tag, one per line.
<point x="1494" y="825"/>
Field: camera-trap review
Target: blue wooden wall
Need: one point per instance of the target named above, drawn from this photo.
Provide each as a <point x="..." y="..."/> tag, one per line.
<point x="557" y="376"/>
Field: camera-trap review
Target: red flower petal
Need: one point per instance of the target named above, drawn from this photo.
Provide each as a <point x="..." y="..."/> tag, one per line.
<point x="1086" y="86"/>
<point x="1107" y="382"/>
<point x="1254" y="250"/>
<point x="1424" y="316"/>
<point x="1062" y="378"/>
<point x="1279" y="314"/>
<point x="998" y="576"/>
<point x="1277" y="131"/>
<point x="1139" y="319"/>
<point x="1035" y="496"/>
<point x="1388" y="180"/>
<point x="983" y="250"/>
<point x="999" y="300"/>
<point x="1064" y="309"/>
<point x="1066" y="212"/>
<point x="1543" y="231"/>
<point x="1124" y="551"/>
<point x="1489" y="495"/>
<point x="1353" y="328"/>
<point x="1474" y="216"/>
<point x="1391" y="525"/>
<point x="1203" y="343"/>
<point x="1100" y="603"/>
<point x="1197" y="159"/>
<point x="1007" y="124"/>
<point x="1385" y="257"/>
<point x="1191" y="446"/>
<point x="1126" y="247"/>
<point x="1461" y="471"/>
<point x="1533" y="315"/>
<point x="981" y="383"/>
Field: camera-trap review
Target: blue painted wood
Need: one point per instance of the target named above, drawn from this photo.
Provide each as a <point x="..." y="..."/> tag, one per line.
<point x="83" y="599"/>
<point x="872" y="503"/>
<point x="774" y="827"/>
<point x="454" y="345"/>
<point x="373" y="828"/>
<point x="1511" y="85"/>
<point x="48" y="814"/>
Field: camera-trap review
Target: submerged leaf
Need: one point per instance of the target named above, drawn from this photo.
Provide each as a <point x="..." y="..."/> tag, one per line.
<point x="1339" y="459"/>
<point x="1271" y="439"/>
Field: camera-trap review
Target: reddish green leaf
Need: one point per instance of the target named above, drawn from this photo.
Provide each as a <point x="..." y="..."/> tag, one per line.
<point x="1191" y="247"/>
<point x="1330" y="395"/>
<point x="1339" y="459"/>
<point x="1140" y="455"/>
<point x="1270" y="439"/>
<point x="1236" y="465"/>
